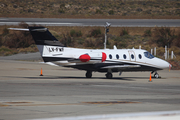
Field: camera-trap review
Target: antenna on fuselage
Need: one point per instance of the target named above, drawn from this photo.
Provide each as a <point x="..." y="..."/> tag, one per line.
<point x="107" y="25"/>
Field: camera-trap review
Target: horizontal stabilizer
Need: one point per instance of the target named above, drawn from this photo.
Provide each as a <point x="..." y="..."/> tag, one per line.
<point x="22" y="29"/>
<point x="41" y="36"/>
<point x="40" y="29"/>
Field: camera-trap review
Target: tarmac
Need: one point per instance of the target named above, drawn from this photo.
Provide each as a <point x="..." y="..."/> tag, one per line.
<point x="65" y="92"/>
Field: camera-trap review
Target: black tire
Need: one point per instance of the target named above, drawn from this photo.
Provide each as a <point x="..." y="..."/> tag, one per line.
<point x="88" y="74"/>
<point x="109" y="76"/>
<point x="156" y="75"/>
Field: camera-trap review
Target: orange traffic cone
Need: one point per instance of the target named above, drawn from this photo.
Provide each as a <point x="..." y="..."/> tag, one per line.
<point x="150" y="80"/>
<point x="41" y="73"/>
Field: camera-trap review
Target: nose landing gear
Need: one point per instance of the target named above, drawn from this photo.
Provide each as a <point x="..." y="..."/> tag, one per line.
<point x="156" y="75"/>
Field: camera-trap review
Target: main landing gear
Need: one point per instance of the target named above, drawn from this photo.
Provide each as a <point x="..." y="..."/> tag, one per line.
<point x="156" y="75"/>
<point x="88" y="74"/>
<point x="109" y="75"/>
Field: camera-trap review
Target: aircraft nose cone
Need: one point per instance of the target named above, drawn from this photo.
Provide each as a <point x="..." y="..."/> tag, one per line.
<point x="170" y="66"/>
<point x="165" y="64"/>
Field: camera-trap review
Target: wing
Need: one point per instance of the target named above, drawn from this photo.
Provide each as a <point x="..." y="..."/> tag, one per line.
<point x="117" y="68"/>
<point x="120" y="66"/>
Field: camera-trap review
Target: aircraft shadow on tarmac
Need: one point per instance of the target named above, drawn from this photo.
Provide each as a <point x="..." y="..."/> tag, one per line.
<point x="68" y="77"/>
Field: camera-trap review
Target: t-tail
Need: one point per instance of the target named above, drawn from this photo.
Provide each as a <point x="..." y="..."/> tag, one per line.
<point x="42" y="38"/>
<point x="49" y="47"/>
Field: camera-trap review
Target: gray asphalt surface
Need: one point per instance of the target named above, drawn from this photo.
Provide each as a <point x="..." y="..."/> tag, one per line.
<point x="64" y="92"/>
<point x="93" y="22"/>
<point x="22" y="56"/>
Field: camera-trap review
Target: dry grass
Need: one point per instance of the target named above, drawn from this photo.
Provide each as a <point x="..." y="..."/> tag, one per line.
<point x="112" y="9"/>
<point x="113" y="30"/>
<point x="59" y="30"/>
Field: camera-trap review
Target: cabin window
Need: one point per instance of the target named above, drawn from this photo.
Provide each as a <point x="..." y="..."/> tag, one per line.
<point x="140" y="56"/>
<point x="117" y="56"/>
<point x="110" y="56"/>
<point x="124" y="56"/>
<point x="148" y="55"/>
<point x="132" y="56"/>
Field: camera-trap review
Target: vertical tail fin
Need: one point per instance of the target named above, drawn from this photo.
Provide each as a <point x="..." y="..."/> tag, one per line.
<point x="45" y="41"/>
<point x="42" y="36"/>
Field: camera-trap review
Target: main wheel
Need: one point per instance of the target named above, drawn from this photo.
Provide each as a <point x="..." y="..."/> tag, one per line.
<point x="88" y="74"/>
<point x="109" y="75"/>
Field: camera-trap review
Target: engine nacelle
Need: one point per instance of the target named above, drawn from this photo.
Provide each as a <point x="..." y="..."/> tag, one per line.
<point x="93" y="57"/>
<point x="84" y="58"/>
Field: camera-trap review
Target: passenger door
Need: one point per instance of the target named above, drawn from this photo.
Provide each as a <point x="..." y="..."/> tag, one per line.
<point x="132" y="55"/>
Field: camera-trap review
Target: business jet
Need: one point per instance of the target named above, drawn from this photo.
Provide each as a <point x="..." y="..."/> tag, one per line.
<point x="94" y="60"/>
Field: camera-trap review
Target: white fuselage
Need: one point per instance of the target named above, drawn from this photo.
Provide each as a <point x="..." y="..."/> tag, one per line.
<point x="119" y="58"/>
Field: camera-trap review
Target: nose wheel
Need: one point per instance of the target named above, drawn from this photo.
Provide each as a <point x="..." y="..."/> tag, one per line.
<point x="88" y="74"/>
<point x="156" y="75"/>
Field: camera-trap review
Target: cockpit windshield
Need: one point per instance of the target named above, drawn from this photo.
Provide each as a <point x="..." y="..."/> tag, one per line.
<point x="148" y="55"/>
